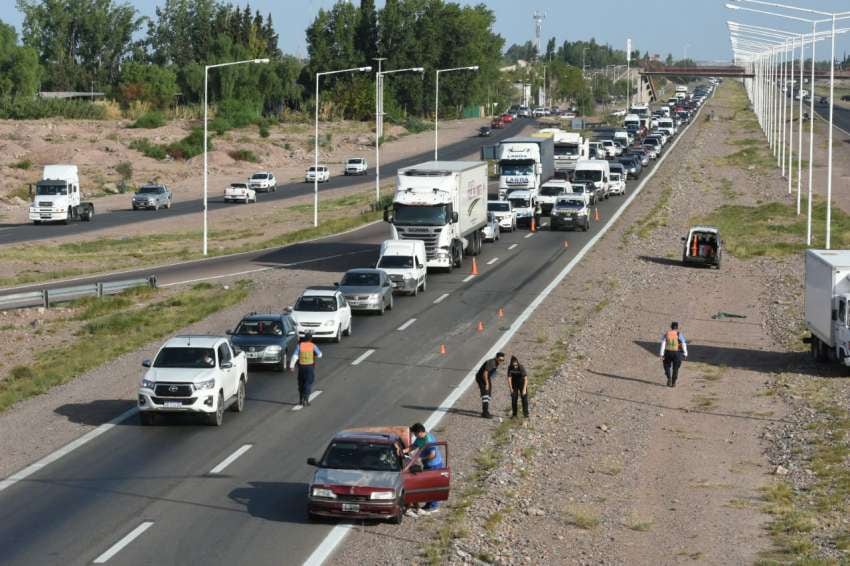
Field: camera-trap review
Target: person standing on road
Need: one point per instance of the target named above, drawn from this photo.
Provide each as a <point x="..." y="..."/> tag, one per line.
<point x="518" y="384"/>
<point x="673" y="349"/>
<point x="305" y="356"/>
<point x="431" y="459"/>
<point x="484" y="379"/>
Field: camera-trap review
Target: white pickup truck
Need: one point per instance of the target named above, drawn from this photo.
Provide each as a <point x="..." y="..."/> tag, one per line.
<point x="194" y="374"/>
<point x="240" y="192"/>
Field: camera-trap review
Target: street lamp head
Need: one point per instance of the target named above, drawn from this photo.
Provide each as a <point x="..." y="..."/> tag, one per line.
<point x="473" y="68"/>
<point x="266" y="60"/>
<point x="733" y="7"/>
<point x="418" y="69"/>
<point x="365" y="69"/>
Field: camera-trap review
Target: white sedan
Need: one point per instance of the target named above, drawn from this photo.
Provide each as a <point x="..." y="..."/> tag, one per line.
<point x="320" y="174"/>
<point x="504" y="213"/>
<point x="322" y="312"/>
<point x="491" y="231"/>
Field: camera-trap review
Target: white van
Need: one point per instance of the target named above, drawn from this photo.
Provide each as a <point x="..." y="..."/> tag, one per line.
<point x="405" y="264"/>
<point x="667" y="125"/>
<point x="596" y="171"/>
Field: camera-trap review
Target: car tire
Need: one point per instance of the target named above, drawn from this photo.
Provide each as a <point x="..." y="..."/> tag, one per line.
<point x="135" y="207"/>
<point x="156" y="207"/>
<point x="239" y="405"/>
<point x="398" y="518"/>
<point x="338" y="337"/>
<point x="349" y="329"/>
<point x="390" y="306"/>
<point x="217" y="418"/>
<point x="146" y="419"/>
<point x="382" y="309"/>
<point x="424" y="285"/>
<point x="415" y="291"/>
<point x="284" y="360"/>
<point x="168" y="204"/>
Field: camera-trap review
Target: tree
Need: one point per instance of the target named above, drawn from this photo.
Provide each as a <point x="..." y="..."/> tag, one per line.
<point x="19" y="69"/>
<point x="366" y="40"/>
<point x="550" y="49"/>
<point x="153" y="84"/>
<point x="669" y="60"/>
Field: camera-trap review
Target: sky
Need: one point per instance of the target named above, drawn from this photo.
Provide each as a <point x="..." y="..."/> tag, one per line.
<point x="697" y="27"/>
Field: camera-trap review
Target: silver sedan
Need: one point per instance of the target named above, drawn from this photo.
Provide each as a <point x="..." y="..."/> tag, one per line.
<point x="367" y="289"/>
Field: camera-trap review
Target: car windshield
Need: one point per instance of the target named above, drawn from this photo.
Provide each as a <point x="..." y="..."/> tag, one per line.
<point x="517" y="169"/>
<point x="51" y="190"/>
<point x="316" y="304"/>
<point x="421" y="215"/>
<point x="150" y="190"/>
<point x="498" y="207"/>
<point x="361" y="279"/>
<point x="592" y="175"/>
<point x="185" y="358"/>
<point x="571" y="203"/>
<point x="362" y="456"/>
<point x="519" y="202"/>
<point x="396" y="262"/>
<point x="355" y="161"/>
<point x="551" y="191"/>
<point x="260" y="176"/>
<point x="615" y="176"/>
<point x="238" y="186"/>
<point x="256" y="327"/>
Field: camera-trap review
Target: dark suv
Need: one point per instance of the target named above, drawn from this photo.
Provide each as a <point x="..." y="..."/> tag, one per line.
<point x="266" y="339"/>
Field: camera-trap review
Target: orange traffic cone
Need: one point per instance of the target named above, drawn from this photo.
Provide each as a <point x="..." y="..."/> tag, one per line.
<point x="474" y="267"/>
<point x="533" y="225"/>
<point x="480" y="326"/>
<point x="443" y="349"/>
<point x="501" y="312"/>
<point x="596" y="214"/>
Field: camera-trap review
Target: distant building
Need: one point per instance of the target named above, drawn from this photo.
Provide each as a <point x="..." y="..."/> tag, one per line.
<point x="71" y="95"/>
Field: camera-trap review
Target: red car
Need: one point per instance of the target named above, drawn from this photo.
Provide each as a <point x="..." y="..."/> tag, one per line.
<point x="497" y="123"/>
<point x="507" y="118"/>
<point x="363" y="474"/>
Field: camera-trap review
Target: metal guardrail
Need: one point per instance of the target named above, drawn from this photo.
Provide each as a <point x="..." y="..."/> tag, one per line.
<point x="46" y="297"/>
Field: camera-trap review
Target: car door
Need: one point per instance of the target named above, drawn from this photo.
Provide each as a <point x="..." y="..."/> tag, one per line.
<point x="427" y="485"/>
<point x="229" y="377"/>
<point x="344" y="311"/>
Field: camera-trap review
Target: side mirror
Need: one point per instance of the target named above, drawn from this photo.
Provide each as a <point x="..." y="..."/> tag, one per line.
<point x="386" y="283"/>
<point x="312" y="462"/>
<point x="387" y="216"/>
<point x="291" y="333"/>
<point x="229" y="332"/>
<point x="454" y="217"/>
<point x="336" y="284"/>
<point x="226" y="365"/>
<point x="146" y="363"/>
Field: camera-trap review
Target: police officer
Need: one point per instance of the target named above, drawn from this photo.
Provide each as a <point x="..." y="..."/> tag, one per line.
<point x="673" y="349"/>
<point x="305" y="356"/>
<point x="484" y="379"/>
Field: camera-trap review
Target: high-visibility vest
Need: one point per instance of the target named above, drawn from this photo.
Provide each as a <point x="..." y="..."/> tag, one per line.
<point x="305" y="354"/>
<point x="672" y="341"/>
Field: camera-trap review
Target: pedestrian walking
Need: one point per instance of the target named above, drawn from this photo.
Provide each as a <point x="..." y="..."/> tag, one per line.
<point x="674" y="348"/>
<point x="484" y="379"/>
<point x="305" y="357"/>
<point x="518" y="384"/>
<point x="431" y="459"/>
<point x="538" y="212"/>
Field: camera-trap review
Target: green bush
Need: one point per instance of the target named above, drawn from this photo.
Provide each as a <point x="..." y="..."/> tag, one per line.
<point x="243" y="155"/>
<point x="148" y="148"/>
<point x="23" y="164"/>
<point x="416" y="125"/>
<point x="219" y="125"/>
<point x="190" y="146"/>
<point x="149" y="120"/>
<point x="239" y="113"/>
<point x="37" y="108"/>
<point x="264" y="130"/>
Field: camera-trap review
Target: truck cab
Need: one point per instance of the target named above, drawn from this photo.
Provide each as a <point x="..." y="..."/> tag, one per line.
<point x="525" y="163"/>
<point x="57" y="196"/>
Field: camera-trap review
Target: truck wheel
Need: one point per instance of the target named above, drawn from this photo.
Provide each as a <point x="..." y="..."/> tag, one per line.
<point x="146" y="418"/>
<point x="36" y="222"/>
<point x="239" y="405"/>
<point x="216" y="418"/>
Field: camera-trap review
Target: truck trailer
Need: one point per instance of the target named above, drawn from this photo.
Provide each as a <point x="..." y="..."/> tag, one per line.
<point x="827" y="302"/>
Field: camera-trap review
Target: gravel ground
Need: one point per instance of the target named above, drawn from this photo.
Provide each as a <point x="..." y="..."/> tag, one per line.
<point x="614" y="467"/>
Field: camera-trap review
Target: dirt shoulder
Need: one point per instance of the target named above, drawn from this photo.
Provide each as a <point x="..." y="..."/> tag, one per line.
<point x="614" y="467"/>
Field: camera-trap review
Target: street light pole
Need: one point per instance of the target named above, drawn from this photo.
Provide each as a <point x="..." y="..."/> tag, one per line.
<point x="316" y="139"/>
<point x="206" y="145"/>
<point x="437" y="101"/>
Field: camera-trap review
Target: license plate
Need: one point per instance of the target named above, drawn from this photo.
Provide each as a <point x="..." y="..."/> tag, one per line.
<point x="352" y="507"/>
<point x="173" y="404"/>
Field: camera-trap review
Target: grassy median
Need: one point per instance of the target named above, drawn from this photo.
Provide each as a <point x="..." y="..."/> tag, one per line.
<point x="112" y="326"/>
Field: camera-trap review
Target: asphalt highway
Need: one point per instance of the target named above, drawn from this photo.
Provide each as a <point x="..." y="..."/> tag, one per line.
<point x="840" y="116"/>
<point x="156" y="482"/>
<point x="17" y="233"/>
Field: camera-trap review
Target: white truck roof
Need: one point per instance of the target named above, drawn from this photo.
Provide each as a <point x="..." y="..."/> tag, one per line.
<point x="60" y="173"/>
<point x="440" y="167"/>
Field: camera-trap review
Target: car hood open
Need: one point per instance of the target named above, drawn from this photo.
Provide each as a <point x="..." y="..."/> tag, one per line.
<point x="356" y="478"/>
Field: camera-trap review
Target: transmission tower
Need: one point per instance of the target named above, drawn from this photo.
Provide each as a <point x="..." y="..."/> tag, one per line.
<point x="538" y="28"/>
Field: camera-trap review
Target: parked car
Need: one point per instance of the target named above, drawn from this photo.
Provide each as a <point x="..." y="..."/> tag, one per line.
<point x="320" y="174"/>
<point x="263" y="182"/>
<point x="152" y="196"/>
<point x="490" y="232"/>
<point x="702" y="246"/>
<point x="497" y="123"/>
<point x="364" y="474"/>
<point x="356" y="166"/>
<point x="524" y="112"/>
<point x="367" y="289"/>
<point x="507" y="118"/>
<point x="484" y="131"/>
<point x="323" y="312"/>
<point x="240" y="192"/>
<point x="570" y="211"/>
<point x="193" y="374"/>
<point x="268" y="339"/>
<point x="504" y="213"/>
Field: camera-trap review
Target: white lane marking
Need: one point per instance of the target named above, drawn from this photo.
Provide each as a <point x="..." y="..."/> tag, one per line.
<point x="406" y="324"/>
<point x="530" y="234"/>
<point x="211" y="277"/>
<point x="119" y="546"/>
<point x="339" y="532"/>
<point x="362" y="357"/>
<point x="468" y="278"/>
<point x="492" y="261"/>
<point x="67" y="449"/>
<point x="441" y="298"/>
<point x="512" y="246"/>
<point x="230" y="459"/>
<point x="313" y="395"/>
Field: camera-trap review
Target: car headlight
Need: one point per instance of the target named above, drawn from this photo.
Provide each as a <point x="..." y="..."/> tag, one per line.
<point x="382" y="495"/>
<point x="148" y="383"/>
<point x="273" y="349"/>
<point x="323" y="492"/>
<point x="208" y="384"/>
<point x="329" y="323"/>
<point x="374" y="298"/>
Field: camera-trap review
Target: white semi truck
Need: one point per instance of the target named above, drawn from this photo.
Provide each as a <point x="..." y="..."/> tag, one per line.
<point x="827" y="304"/>
<point x="569" y="147"/>
<point x="444" y="204"/>
<point x="525" y="164"/>
<point x="57" y="197"/>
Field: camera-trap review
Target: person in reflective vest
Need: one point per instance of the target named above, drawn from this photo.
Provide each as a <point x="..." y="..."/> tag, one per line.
<point x="305" y="356"/>
<point x="673" y="349"/>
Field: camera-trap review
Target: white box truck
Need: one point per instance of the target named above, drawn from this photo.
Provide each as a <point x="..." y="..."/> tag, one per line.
<point x="569" y="147"/>
<point x="444" y="204"/>
<point x="57" y="197"/>
<point x="827" y="303"/>
<point x="525" y="164"/>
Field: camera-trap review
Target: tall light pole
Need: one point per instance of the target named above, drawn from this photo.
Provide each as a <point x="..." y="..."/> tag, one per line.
<point x="379" y="113"/>
<point x="316" y="143"/>
<point x="583" y="66"/>
<point x="206" y="93"/>
<point x="437" y="100"/>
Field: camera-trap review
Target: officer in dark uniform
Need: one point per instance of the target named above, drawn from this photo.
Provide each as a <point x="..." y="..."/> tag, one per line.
<point x="484" y="379"/>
